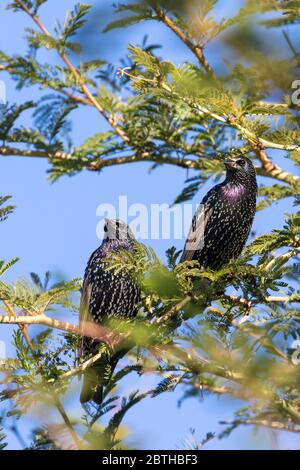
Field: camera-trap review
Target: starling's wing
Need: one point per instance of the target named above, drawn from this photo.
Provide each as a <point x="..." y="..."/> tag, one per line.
<point x="195" y="238"/>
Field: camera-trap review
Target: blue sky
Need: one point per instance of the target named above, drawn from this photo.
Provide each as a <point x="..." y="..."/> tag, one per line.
<point x="54" y="228"/>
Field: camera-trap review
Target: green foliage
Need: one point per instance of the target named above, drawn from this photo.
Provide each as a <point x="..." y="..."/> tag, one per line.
<point x="74" y="21"/>
<point x="287" y="236"/>
<point x="114" y="424"/>
<point x="167" y="385"/>
<point x="249" y="360"/>
<point x="271" y="194"/>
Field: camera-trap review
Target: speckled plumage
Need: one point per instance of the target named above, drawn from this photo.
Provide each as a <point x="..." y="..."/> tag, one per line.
<point x="104" y="295"/>
<point x="225" y="217"/>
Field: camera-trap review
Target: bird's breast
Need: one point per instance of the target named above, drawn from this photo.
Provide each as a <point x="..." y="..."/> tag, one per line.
<point x="234" y="192"/>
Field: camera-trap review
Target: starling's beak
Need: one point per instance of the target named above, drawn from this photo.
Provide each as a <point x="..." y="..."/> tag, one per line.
<point x="230" y="164"/>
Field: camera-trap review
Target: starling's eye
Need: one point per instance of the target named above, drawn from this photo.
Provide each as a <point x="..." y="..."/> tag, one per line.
<point x="241" y="162"/>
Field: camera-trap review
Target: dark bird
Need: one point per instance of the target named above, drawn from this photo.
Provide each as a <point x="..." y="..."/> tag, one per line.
<point x="106" y="294"/>
<point x="223" y="221"/>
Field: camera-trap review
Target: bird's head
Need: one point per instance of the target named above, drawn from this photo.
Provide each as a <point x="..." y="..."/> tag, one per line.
<point x="115" y="229"/>
<point x="241" y="170"/>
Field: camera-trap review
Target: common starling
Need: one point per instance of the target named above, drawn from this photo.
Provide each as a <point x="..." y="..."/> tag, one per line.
<point x="222" y="223"/>
<point x="106" y="294"/>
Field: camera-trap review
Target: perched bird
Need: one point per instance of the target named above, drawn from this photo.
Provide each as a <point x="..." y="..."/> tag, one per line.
<point x="222" y="223"/>
<point x="106" y="294"/>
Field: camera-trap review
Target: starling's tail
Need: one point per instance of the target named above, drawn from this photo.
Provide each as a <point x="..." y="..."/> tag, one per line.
<point x="91" y="388"/>
<point x="97" y="377"/>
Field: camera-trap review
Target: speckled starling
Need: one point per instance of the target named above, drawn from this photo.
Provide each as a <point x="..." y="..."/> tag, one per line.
<point x="222" y="223"/>
<point x="106" y="294"/>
